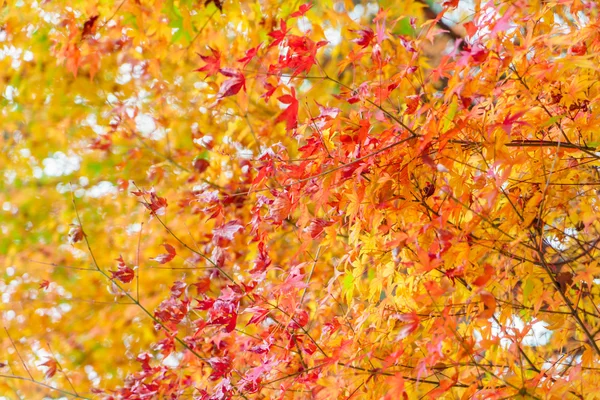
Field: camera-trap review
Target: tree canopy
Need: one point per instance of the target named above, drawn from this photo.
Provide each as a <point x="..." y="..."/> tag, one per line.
<point x="265" y="199"/>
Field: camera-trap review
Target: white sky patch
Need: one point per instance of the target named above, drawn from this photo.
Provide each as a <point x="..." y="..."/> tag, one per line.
<point x="538" y="335"/>
<point x="357" y="13"/>
<point x="132" y="229"/>
<point x="103" y="188"/>
<point x="92" y="121"/>
<point x="92" y="375"/>
<point x="60" y="164"/>
<point x="147" y="126"/>
<point x="562" y="244"/>
<point x="242" y="152"/>
<point x="459" y="14"/>
<point x="304" y="24"/>
<point x="204" y="141"/>
<point x="27" y="56"/>
<point x="333" y="36"/>
<point x="172" y="360"/>
<point x="305" y="87"/>
<point x="10" y="93"/>
<point x="124" y="75"/>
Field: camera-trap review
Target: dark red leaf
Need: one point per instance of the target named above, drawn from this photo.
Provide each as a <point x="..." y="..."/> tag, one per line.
<point x="365" y="37"/>
<point x="165" y="258"/>
<point x="76" y="234"/>
<point x="200" y="165"/>
<point x="89" y="27"/>
<point x="123" y="273"/>
<point x="217" y="3"/>
<point x="233" y="85"/>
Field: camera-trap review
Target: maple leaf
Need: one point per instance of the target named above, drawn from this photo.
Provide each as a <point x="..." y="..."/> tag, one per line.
<point x="200" y="165"/>
<point x="471" y="28"/>
<point x="44" y="284"/>
<point x="270" y="90"/>
<point x="511" y="120"/>
<point x="489" y="305"/>
<point x="303" y="9"/>
<point x="172" y="311"/>
<point x="89" y="27"/>
<point x="316" y="226"/>
<point x="262" y="261"/>
<point x="259" y="315"/>
<point x="213" y="62"/>
<point x="233" y="85"/>
<point x="451" y="3"/>
<point x="202" y="285"/>
<point x="397" y="389"/>
<point x="166" y="257"/>
<point x="365" y="37"/>
<point x="412" y="321"/>
<point x="412" y="103"/>
<point x="217" y="3"/>
<point x="279" y="34"/>
<point x="76" y="234"/>
<point x="51" y="367"/>
<point x="224" y="312"/>
<point x="300" y="319"/>
<point x="250" y="54"/>
<point x="290" y="114"/>
<point x="487" y="275"/>
<point x="124" y="273"/>
<point x="157" y="205"/>
<point x="225" y="233"/>
<point x="280" y="209"/>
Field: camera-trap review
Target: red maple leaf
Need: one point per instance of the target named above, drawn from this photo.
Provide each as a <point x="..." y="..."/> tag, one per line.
<point x="221" y="366"/>
<point x="511" y="120"/>
<point x="217" y="3"/>
<point x="260" y="314"/>
<point x="262" y="261"/>
<point x="270" y="90"/>
<point x="250" y="54"/>
<point x="123" y="273"/>
<point x="303" y="9"/>
<point x="89" y="27"/>
<point x="290" y="114"/>
<point x="165" y="258"/>
<point x="224" y="234"/>
<point x="301" y="55"/>
<point x="213" y="62"/>
<point x="365" y="37"/>
<point x="280" y="208"/>
<point x="44" y="284"/>
<point x="451" y="3"/>
<point x="412" y="321"/>
<point x="52" y="366"/>
<point x="76" y="234"/>
<point x="156" y="205"/>
<point x="279" y="35"/>
<point x="233" y="85"/>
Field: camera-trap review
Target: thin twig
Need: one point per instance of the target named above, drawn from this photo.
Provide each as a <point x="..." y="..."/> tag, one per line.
<point x="19" y="354"/>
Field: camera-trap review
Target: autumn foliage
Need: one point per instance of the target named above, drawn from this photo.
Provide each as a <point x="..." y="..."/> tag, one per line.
<point x="263" y="199"/>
